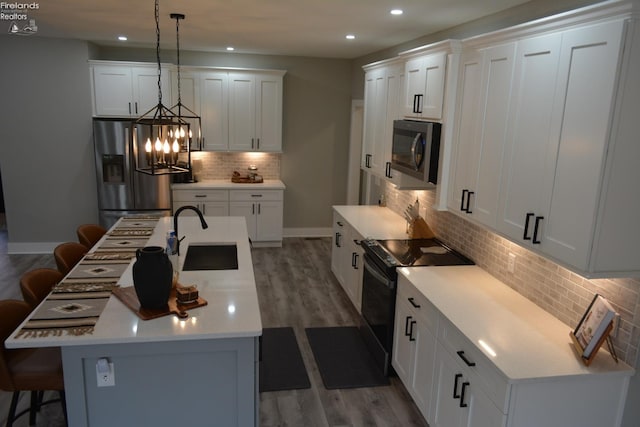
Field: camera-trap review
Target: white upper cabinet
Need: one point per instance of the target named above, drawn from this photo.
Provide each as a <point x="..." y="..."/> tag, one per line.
<point x="424" y="89"/>
<point x="129" y="90"/>
<point x="240" y="110"/>
<point x="214" y="112"/>
<point x="255" y="111"/>
<point x="375" y="118"/>
<point x="480" y="134"/>
<point x="558" y="136"/>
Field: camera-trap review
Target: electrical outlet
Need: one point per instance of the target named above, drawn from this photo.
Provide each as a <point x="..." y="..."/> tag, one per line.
<point x="105" y="374"/>
<point x="511" y="263"/>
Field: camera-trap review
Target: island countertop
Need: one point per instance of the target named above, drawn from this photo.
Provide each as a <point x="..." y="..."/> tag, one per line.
<point x="232" y="310"/>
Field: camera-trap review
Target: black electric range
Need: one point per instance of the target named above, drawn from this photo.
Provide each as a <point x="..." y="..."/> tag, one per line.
<point x="389" y="254"/>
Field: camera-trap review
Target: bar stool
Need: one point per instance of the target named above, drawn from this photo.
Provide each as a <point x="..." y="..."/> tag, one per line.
<point x="36" y="284"/>
<point x="67" y="255"/>
<point x="28" y="369"/>
<point x="89" y="234"/>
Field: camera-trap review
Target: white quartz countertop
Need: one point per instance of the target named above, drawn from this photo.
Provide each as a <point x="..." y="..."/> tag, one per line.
<point x="226" y="184"/>
<point x="529" y="343"/>
<point x="232" y="310"/>
<point x="374" y="221"/>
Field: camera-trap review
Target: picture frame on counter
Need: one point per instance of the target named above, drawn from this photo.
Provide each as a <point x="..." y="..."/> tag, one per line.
<point x="594" y="329"/>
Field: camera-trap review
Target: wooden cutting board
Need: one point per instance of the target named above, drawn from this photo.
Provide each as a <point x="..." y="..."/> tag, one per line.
<point x="130" y="299"/>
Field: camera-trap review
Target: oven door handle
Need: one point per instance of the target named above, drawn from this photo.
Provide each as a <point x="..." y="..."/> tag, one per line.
<point x="377" y="275"/>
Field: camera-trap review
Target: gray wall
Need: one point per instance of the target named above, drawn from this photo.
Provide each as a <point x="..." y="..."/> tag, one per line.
<point x="46" y="151"/>
<point x="316" y="112"/>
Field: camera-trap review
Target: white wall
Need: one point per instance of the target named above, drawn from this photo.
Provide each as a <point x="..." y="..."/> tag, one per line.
<point x="46" y="144"/>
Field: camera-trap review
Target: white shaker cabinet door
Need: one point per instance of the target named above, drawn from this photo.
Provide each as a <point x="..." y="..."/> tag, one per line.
<point x="214" y="106"/>
<point x="531" y="150"/>
<point x="374" y="122"/>
<point x="268" y="113"/>
<point x="242" y="112"/>
<point x="466" y="147"/>
<point x="112" y="91"/>
<point x="588" y="55"/>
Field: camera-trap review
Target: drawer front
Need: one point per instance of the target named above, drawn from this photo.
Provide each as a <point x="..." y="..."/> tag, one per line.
<point x="484" y="372"/>
<point x="255" y="195"/>
<point x="420" y="307"/>
<point x="201" y="195"/>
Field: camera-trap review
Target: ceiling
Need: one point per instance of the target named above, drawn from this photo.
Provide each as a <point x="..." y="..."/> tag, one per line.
<point x="314" y="28"/>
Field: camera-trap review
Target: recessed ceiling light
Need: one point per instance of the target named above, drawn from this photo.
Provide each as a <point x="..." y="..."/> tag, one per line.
<point x="350" y="37"/>
<point x="396" y="12"/>
<point x="230" y="48"/>
<point x="122" y="38"/>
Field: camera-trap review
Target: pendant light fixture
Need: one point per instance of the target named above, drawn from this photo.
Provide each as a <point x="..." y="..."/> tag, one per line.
<point x="156" y="128"/>
<point x="182" y="111"/>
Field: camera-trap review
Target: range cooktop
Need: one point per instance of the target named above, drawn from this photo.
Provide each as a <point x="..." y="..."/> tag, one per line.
<point x="415" y="252"/>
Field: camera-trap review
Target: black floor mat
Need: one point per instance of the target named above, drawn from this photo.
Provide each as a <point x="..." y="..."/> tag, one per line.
<point x="343" y="359"/>
<point x="281" y="366"/>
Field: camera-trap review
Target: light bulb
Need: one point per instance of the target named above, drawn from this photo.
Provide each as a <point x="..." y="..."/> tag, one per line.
<point x="166" y="147"/>
<point x="147" y="145"/>
<point x="190" y="133"/>
<point x="158" y="145"/>
<point x="176" y="146"/>
<point x="181" y="132"/>
<point x="170" y="133"/>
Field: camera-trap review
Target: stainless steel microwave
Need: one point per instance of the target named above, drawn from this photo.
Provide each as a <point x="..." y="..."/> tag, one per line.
<point x="416" y="149"/>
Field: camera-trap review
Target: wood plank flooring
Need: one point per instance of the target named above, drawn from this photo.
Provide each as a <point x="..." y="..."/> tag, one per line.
<point x="295" y="288"/>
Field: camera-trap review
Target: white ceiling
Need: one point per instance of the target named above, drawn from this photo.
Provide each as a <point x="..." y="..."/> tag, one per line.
<point x="275" y="27"/>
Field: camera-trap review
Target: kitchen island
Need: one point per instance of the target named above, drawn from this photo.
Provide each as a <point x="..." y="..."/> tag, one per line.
<point x="199" y="371"/>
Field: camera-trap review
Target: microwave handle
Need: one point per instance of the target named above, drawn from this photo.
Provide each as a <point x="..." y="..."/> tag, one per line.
<point x="414" y="144"/>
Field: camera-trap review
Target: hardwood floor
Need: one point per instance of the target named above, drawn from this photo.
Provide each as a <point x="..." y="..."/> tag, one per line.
<point x="295" y="288"/>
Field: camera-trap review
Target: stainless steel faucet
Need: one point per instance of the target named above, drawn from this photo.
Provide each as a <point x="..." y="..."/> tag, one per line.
<point x="175" y="223"/>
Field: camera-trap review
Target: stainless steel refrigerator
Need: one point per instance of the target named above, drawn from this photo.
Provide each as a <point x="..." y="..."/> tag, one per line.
<point x="122" y="190"/>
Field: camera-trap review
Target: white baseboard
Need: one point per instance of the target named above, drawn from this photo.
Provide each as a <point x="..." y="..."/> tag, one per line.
<point x="307" y="232"/>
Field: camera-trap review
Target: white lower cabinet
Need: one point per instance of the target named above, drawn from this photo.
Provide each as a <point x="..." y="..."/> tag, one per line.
<point x="209" y="202"/>
<point x="461" y="402"/>
<point x="263" y="211"/>
<point x="456" y="384"/>
<point x="414" y="344"/>
<point x="346" y="259"/>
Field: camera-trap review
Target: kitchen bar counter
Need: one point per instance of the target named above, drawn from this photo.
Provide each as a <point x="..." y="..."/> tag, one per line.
<point x="199" y="371"/>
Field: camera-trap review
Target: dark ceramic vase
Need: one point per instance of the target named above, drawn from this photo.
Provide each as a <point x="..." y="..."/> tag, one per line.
<point x="152" y="276"/>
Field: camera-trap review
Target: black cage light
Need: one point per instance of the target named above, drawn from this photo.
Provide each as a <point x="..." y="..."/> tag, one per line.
<point x="182" y="111"/>
<point x="158" y="126"/>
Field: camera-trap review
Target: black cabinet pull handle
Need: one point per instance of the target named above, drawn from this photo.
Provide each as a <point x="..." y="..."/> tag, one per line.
<point x="136" y="104"/>
<point x="338" y="240"/>
<point x="468" y="208"/>
<point x="464" y="387"/>
<point x="413" y="303"/>
<point x="536" y="227"/>
<point x="411" y="338"/>
<point x="526" y="226"/>
<point x="356" y="241"/>
<point x="463" y="357"/>
<point x="387" y="170"/>
<point x="416" y="103"/>
<point x="129" y="108"/>
<point x="455" y="386"/>
<point x="464" y="193"/>
<point x="355" y="266"/>
<point x="406" y="326"/>
<point x="339" y="223"/>
<point x="367" y="160"/>
<point x="258" y="144"/>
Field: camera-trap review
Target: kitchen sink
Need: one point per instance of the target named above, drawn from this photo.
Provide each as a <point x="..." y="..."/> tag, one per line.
<point x="211" y="256"/>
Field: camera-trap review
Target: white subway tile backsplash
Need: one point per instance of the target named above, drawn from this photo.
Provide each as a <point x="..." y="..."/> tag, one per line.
<point x="215" y="165"/>
<point x="557" y="290"/>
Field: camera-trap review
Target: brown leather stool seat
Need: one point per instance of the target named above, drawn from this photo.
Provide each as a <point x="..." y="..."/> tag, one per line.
<point x="32" y="369"/>
<point x="67" y="255"/>
<point x="89" y="234"/>
<point x="36" y="284"/>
